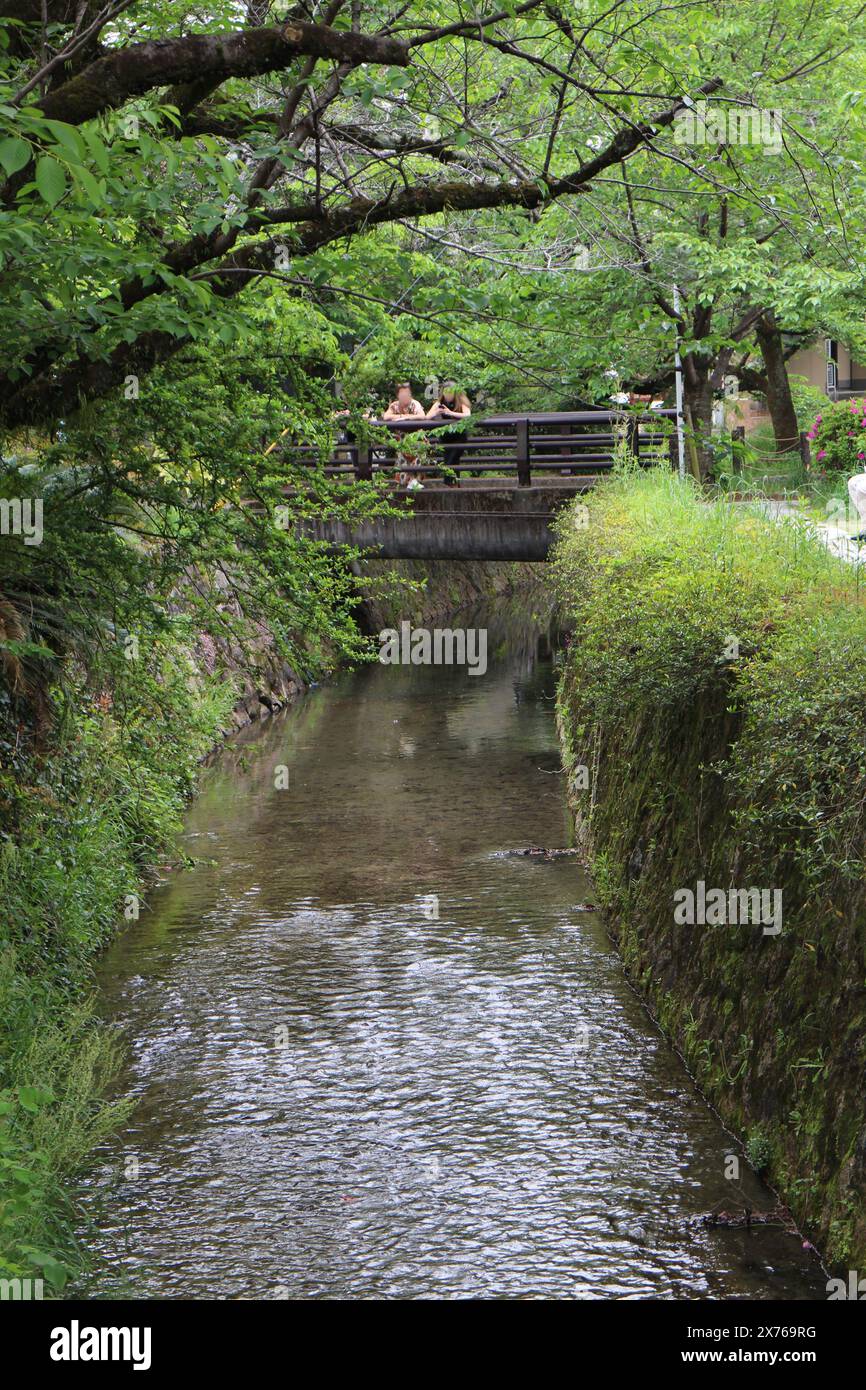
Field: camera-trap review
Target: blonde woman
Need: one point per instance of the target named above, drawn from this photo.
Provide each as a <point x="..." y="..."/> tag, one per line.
<point x="450" y="404"/>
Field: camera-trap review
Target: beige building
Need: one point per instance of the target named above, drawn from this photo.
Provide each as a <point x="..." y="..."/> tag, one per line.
<point x="829" y="366"/>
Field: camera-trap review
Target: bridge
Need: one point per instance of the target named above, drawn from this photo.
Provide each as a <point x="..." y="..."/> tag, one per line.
<point x="490" y="488"/>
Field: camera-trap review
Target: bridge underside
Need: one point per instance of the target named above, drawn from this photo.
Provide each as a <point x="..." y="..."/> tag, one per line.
<point x="474" y="522"/>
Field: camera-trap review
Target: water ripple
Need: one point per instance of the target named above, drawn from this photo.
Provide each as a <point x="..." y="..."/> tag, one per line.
<point x="344" y="1094"/>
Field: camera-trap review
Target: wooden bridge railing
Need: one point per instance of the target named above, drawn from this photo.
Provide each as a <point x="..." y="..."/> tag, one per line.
<point x="510" y="446"/>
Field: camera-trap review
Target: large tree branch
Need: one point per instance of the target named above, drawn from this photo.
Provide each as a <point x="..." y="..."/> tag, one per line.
<point x="128" y="72"/>
<point x="74" y="55"/>
<point x="203" y="61"/>
<point x="88" y="379"/>
<point x="321" y="227"/>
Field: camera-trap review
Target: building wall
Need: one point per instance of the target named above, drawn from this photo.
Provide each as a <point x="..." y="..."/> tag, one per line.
<point x="812" y="364"/>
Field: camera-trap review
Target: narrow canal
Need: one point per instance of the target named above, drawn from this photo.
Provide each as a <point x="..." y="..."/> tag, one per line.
<point x="374" y="1056"/>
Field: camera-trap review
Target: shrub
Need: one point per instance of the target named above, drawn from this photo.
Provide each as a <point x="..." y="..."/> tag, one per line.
<point x="759" y="1150"/>
<point x="675" y="597"/>
<point x="838" y="437"/>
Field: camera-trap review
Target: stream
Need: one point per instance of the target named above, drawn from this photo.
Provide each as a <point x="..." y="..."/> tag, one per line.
<point x="374" y="1055"/>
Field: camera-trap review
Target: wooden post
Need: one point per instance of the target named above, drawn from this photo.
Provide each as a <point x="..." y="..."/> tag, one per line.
<point x="363" y="463"/>
<point x="805" y="451"/>
<point x="521" y="448"/>
<point x="633" y="437"/>
<point x="738" y="436"/>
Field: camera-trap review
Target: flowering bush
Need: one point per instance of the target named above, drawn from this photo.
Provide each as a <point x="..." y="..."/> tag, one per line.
<point x="838" y="437"/>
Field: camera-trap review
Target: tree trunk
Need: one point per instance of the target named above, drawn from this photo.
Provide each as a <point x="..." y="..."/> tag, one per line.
<point x="698" y="399"/>
<point x="778" y="389"/>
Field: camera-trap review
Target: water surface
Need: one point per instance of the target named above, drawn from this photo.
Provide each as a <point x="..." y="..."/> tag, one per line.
<point x="376" y="1057"/>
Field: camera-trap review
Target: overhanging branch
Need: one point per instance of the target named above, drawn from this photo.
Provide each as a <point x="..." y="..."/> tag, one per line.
<point x="62" y="390"/>
<point x="128" y="72"/>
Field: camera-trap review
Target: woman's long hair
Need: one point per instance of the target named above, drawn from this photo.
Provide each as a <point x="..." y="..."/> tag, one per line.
<point x="460" y="398"/>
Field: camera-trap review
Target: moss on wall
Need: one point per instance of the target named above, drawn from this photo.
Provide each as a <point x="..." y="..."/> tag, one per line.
<point x="714" y="693"/>
<point x="432" y="591"/>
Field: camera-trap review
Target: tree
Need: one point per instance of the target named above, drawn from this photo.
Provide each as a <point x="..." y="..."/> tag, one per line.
<point x="151" y="180"/>
<point x="751" y="207"/>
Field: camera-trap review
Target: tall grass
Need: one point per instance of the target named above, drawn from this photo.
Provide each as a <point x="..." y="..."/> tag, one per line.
<point x="81" y="821"/>
<point x="675" y="596"/>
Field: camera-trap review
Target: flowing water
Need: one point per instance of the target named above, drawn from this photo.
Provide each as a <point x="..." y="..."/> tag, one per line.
<point x="375" y="1056"/>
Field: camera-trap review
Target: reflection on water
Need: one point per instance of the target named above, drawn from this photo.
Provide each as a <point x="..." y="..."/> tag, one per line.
<point x="374" y="1057"/>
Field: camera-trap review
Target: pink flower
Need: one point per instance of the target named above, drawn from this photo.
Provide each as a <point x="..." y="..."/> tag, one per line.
<point x="822" y="453"/>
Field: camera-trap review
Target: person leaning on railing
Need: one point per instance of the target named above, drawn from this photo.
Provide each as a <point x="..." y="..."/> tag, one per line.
<point x="404" y="407"/>
<point x="450" y="404"/>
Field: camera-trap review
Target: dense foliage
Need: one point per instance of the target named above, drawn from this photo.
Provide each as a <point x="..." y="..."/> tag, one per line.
<point x="81" y="823"/>
<point x="676" y="598"/>
<point x="838" y="436"/>
<point x="421" y="163"/>
<point x="716" y="693"/>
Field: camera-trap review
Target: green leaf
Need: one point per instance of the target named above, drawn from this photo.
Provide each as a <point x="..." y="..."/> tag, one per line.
<point x="50" y="180"/>
<point x="32" y="1098"/>
<point x="14" y="154"/>
<point x="54" y="1271"/>
<point x="22" y="648"/>
<point x="97" y="149"/>
<point x="67" y="136"/>
<point x="90" y="187"/>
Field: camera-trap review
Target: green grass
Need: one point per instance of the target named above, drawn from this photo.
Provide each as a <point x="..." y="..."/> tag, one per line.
<point x="761" y="471"/>
<point x="82" y="818"/>
<point x="681" y="573"/>
<point x="715" y="685"/>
